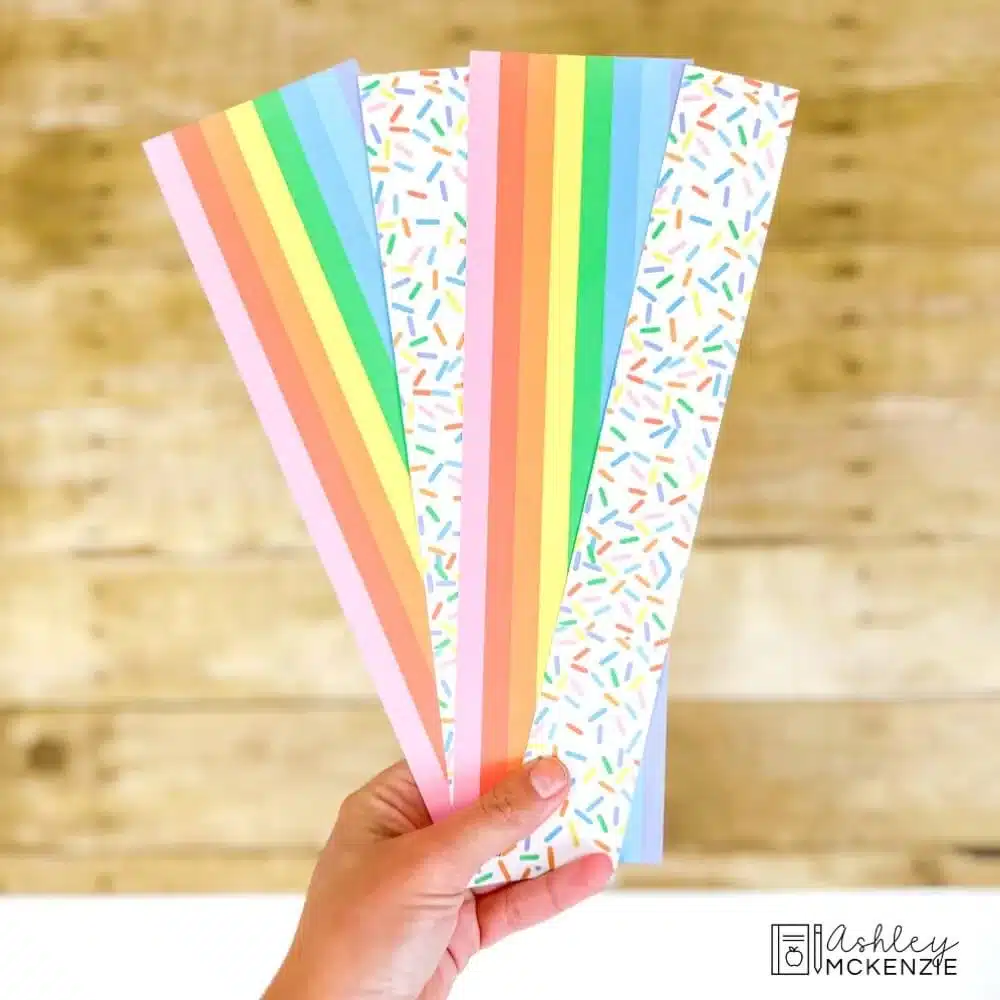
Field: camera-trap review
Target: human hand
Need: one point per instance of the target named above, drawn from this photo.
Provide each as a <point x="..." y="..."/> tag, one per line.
<point x="388" y="915"/>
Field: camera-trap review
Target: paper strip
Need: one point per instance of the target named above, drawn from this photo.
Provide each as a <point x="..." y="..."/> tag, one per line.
<point x="416" y="129"/>
<point x="324" y="529"/>
<point x="721" y="172"/>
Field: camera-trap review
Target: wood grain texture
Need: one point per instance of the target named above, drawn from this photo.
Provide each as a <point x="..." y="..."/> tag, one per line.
<point x="756" y="622"/>
<point x="181" y="705"/>
<point x="801" y="778"/>
<point x="288" y="871"/>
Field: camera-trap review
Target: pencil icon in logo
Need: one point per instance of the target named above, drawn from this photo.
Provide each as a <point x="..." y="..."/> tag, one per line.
<point x="817" y="948"/>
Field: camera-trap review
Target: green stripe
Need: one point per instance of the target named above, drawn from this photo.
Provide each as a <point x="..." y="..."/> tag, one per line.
<point x="594" y="195"/>
<point x="334" y="261"/>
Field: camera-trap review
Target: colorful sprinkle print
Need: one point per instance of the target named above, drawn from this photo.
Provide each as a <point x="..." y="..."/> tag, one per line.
<point x="710" y="220"/>
<point x="416" y="132"/>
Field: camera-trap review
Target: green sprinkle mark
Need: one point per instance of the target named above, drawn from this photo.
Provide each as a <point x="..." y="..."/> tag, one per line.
<point x="659" y="229"/>
<point x="597" y="581"/>
<point x="685" y="405"/>
<point x="390" y="244"/>
<point x="629" y="539"/>
<point x="437" y="127"/>
<point x="435" y="517"/>
<point x="734" y="230"/>
<point x="480" y="879"/>
<point x="603" y="825"/>
<point x="461" y="218"/>
<point x="416" y="290"/>
<point x="711" y="349"/>
<point x="650" y="329"/>
<point x="617" y="433"/>
<point x="607" y="765"/>
<point x="659" y="621"/>
<point x="666" y="281"/>
<point x="530" y="857"/>
<point x="614" y="677"/>
<point x="743" y="135"/>
<point x="670" y="479"/>
<point x="693" y="77"/>
<point x="419" y="341"/>
<point x="425" y="449"/>
<point x="729" y="294"/>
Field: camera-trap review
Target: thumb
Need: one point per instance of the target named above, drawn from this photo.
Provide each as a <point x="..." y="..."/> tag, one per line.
<point x="512" y="810"/>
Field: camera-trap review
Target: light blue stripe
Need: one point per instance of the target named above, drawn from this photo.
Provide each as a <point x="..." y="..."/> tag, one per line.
<point x="660" y="85"/>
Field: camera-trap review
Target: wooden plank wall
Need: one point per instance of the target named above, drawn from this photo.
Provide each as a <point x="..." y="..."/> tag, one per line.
<point x="181" y="706"/>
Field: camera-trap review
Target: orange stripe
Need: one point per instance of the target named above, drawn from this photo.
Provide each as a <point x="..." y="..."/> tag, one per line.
<point x="503" y="420"/>
<point x="325" y="387"/>
<point x="539" y="140"/>
<point x="248" y="272"/>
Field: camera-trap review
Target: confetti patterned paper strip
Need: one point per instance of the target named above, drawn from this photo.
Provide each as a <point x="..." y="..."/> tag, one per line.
<point x="309" y="488"/>
<point x="261" y="183"/>
<point x="712" y="210"/>
<point x="416" y="128"/>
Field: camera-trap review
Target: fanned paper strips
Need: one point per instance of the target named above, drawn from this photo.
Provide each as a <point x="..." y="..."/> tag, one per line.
<point x="697" y="271"/>
<point x="488" y="318"/>
<point x="257" y="194"/>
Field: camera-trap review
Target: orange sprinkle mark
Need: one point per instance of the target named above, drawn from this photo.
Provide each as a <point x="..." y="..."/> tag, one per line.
<point x="400" y="129"/>
<point x="650" y="545"/>
<point x="679" y="219"/>
<point x="673" y="330"/>
<point x="422" y="195"/>
<point x="461" y="342"/>
<point x="435" y="275"/>
<point x="699" y="191"/>
<point x="405" y="223"/>
<point x="436" y="611"/>
<point x="705" y="126"/>
<point x="654" y="599"/>
<point x="687" y="277"/>
<point x="680" y="542"/>
<point x="690" y="343"/>
<point x="503" y="871"/>
<point x="604" y="548"/>
<point x="452" y="427"/>
<point x="551" y="856"/>
<point x="727" y="314"/>
<point x="710" y="418"/>
<point x="639" y="364"/>
<point x="422" y="392"/>
<point x="704" y="384"/>
<point x="526" y="872"/>
<point x="378" y="170"/>
<point x="606" y="787"/>
<point x="564" y="808"/>
<point x="611" y="699"/>
<point x="604" y="847"/>
<point x="605" y="475"/>
<point x="428" y="493"/>
<point x="451" y="561"/>
<point x="582" y="653"/>
<point x="786" y="124"/>
<point x="441" y="150"/>
<point x="642" y="580"/>
<point x="674" y="384"/>
<point x="618" y="586"/>
<point x="580" y="669"/>
<point x="622" y="642"/>
<point x="420" y="376"/>
<point x="655" y="421"/>
<point x="793" y="96"/>
<point x="756" y="84"/>
<point x="442" y="339"/>
<point x="625" y="628"/>
<point x="638" y="505"/>
<point x="734" y="253"/>
<point x="679" y="499"/>
<point x="739" y="159"/>
<point x="396" y="114"/>
<point x="573" y="590"/>
<point x="636" y="379"/>
<point x="708" y="111"/>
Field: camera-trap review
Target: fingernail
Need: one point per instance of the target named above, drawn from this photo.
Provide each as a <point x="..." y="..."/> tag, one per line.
<point x="548" y="777"/>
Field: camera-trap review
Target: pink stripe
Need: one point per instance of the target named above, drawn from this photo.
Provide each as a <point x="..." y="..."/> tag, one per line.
<point x="320" y="520"/>
<point x="484" y="96"/>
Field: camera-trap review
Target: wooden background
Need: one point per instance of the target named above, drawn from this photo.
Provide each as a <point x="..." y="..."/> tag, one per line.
<point x="181" y="706"/>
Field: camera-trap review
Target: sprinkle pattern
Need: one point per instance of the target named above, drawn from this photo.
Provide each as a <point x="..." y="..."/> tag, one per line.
<point x="416" y="132"/>
<point x="699" y="264"/>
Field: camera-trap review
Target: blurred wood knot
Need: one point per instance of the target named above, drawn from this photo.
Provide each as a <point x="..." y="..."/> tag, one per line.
<point x="48" y="755"/>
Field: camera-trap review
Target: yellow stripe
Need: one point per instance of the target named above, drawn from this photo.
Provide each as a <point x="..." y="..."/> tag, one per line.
<point x="326" y="316"/>
<point x="567" y="168"/>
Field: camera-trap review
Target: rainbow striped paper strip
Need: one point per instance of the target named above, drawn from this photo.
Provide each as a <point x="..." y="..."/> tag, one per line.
<point x="573" y="154"/>
<point x="711" y="215"/>
<point x="264" y="185"/>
